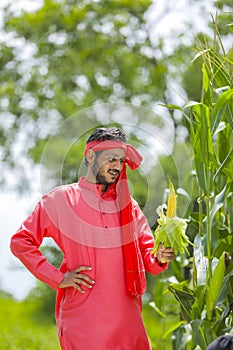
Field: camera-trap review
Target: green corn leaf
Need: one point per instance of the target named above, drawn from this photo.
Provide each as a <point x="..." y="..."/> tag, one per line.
<point x="207" y="96"/>
<point x="224" y="166"/>
<point x="198" y="333"/>
<point x="230" y="25"/>
<point x="185" y="297"/>
<point x="203" y="333"/>
<point x="224" y="287"/>
<point x="214" y="287"/>
<point x="222" y="110"/>
<point x="224" y="143"/>
<point x="218" y="203"/>
<point x="170" y="106"/>
<point x="173" y="328"/>
<point x="202" y="137"/>
<point x="199" y="303"/>
<point x="229" y="114"/>
<point x="156" y="309"/>
<point x="201" y="174"/>
<point x="217" y="68"/>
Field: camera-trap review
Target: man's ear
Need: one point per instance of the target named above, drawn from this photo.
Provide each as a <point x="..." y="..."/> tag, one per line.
<point x="90" y="156"/>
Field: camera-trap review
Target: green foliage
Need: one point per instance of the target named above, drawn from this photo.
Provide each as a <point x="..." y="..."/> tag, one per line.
<point x="161" y="315"/>
<point x="18" y="330"/>
<point x="63" y="73"/>
<point x="210" y="300"/>
<point x="66" y="73"/>
<point x="210" y="126"/>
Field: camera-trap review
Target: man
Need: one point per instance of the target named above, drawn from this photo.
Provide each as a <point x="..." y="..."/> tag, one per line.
<point x="106" y="242"/>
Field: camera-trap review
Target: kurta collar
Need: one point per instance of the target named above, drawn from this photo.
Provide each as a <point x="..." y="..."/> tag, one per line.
<point x="110" y="192"/>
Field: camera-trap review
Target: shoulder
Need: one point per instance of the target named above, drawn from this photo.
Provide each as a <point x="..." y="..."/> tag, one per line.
<point x="62" y="189"/>
<point x="61" y="194"/>
<point x="60" y="198"/>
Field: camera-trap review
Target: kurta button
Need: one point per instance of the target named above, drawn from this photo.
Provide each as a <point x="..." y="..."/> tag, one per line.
<point x="103" y="213"/>
<point x="106" y="226"/>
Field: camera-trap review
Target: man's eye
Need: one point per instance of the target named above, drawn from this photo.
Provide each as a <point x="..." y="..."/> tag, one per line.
<point x="111" y="160"/>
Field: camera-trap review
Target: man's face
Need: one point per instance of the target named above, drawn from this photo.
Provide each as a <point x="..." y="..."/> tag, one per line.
<point x="108" y="165"/>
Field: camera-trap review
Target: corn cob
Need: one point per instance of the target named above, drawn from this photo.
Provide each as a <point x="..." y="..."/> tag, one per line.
<point x="171" y="229"/>
<point x="171" y="203"/>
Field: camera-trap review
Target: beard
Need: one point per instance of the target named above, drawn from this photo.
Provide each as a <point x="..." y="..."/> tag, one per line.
<point x="101" y="179"/>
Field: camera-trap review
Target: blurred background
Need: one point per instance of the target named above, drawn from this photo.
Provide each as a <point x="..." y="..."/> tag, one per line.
<point x="66" y="68"/>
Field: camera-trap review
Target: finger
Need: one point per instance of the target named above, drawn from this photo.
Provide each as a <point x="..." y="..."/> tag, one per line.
<point x="162" y="249"/>
<point x="168" y="253"/>
<point x="159" y="256"/>
<point x="78" y="282"/>
<point x="83" y="282"/>
<point x="83" y="268"/>
<point x="77" y="286"/>
<point x="85" y="278"/>
<point x="169" y="250"/>
<point x="169" y="257"/>
<point x="74" y="277"/>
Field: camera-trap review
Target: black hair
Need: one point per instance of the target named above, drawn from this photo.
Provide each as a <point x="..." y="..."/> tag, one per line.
<point x="222" y="342"/>
<point x="102" y="134"/>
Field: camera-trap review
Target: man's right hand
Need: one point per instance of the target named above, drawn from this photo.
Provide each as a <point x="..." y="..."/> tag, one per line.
<point x="77" y="279"/>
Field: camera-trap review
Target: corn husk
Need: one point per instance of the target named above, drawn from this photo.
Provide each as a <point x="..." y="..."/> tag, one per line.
<point x="171" y="229"/>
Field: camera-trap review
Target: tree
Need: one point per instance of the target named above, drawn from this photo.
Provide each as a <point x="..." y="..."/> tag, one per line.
<point x="65" y="57"/>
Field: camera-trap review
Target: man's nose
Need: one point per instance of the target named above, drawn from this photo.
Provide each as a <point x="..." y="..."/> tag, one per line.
<point x="117" y="165"/>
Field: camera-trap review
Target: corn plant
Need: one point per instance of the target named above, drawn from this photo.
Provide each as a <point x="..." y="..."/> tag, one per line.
<point x="206" y="301"/>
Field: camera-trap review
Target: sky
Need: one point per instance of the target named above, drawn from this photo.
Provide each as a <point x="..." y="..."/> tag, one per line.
<point x="14" y="278"/>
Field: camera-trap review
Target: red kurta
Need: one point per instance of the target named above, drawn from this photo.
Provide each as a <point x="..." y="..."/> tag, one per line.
<point x="86" y="226"/>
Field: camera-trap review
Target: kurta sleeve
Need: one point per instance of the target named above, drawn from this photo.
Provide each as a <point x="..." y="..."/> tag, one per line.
<point x="26" y="241"/>
<point x="146" y="243"/>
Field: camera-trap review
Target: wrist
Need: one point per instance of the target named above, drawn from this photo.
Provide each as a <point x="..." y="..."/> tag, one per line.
<point x="160" y="263"/>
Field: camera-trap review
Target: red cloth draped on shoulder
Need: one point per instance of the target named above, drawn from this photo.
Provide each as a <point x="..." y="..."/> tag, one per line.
<point x="134" y="268"/>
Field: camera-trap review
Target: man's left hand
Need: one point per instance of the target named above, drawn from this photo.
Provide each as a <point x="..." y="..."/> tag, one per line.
<point x="164" y="254"/>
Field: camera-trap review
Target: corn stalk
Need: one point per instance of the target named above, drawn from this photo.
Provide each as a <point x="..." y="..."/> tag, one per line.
<point x="207" y="305"/>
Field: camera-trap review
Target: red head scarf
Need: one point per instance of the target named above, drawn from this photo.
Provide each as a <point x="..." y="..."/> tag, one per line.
<point x="134" y="268"/>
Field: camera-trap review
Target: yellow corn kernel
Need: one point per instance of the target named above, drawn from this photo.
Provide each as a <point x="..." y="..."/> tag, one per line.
<point x="171" y="203"/>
